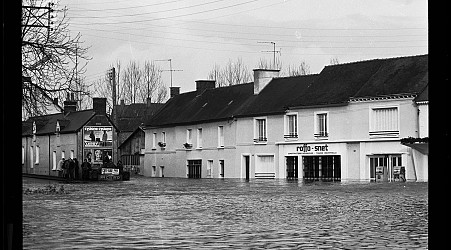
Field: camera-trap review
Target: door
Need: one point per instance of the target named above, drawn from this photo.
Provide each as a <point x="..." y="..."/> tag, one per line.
<point x="379" y="168"/>
<point x="194" y="169"/>
<point x="292" y="167"/>
<point x="246" y="166"/>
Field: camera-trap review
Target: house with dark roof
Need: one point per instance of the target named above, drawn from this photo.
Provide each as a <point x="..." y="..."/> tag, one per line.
<point x="130" y="121"/>
<point x="345" y="123"/>
<point x="86" y="134"/>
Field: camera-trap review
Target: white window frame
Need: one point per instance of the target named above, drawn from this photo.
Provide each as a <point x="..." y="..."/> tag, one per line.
<point x="189" y="136"/>
<point x="31" y="156"/>
<point x="54" y="160"/>
<point x="221" y="136"/>
<point x="72" y="153"/>
<point x="63" y="155"/>
<point x="154" y="140"/>
<point x="199" y="138"/>
<point x="163" y="137"/>
<point x="375" y="133"/>
<point x="287" y="134"/>
<point x="37" y="155"/>
<point x="259" y="174"/>
<point x="317" y="133"/>
<point x="23" y="155"/>
<point x="257" y="138"/>
<point x="210" y="169"/>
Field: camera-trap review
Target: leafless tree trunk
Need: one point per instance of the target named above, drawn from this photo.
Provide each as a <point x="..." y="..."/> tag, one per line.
<point x="302" y="69"/>
<point x="52" y="59"/>
<point x="132" y="80"/>
<point x="334" y="61"/>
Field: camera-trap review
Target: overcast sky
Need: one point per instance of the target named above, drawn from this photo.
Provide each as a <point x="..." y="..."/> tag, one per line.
<point x="196" y="34"/>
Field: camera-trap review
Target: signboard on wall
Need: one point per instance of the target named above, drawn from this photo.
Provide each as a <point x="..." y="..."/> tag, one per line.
<point x="98" y="136"/>
<point x="314" y="149"/>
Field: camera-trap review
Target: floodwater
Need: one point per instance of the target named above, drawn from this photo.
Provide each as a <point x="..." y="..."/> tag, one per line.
<point x="172" y="213"/>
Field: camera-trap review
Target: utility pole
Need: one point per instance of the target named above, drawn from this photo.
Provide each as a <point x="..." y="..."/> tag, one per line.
<point x="112" y="78"/>
<point x="274" y="51"/>
<point x="170" y="67"/>
<point x="35" y="14"/>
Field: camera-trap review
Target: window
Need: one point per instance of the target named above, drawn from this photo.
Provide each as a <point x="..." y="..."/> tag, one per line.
<point x="221" y="136"/>
<point x="291" y="126"/>
<point x="37" y="155"/>
<point x="260" y="130"/>
<point x="189" y="136"/>
<point x="54" y="161"/>
<point x="264" y="167"/>
<point x="154" y="140"/>
<point x="384" y="121"/>
<point x="23" y="155"/>
<point x="31" y="156"/>
<point x="199" y="138"/>
<point x="63" y="155"/>
<point x="321" y="124"/>
<point x="163" y="137"/>
<point x="72" y="154"/>
<point x="154" y="171"/>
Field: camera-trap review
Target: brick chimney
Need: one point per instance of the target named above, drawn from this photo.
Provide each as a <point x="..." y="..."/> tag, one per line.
<point x="99" y="105"/>
<point x="69" y="104"/>
<point x="202" y="85"/>
<point x="262" y="77"/>
<point x="174" y="91"/>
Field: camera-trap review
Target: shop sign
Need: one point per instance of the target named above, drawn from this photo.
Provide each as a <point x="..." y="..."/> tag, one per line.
<point x="379" y="170"/>
<point x="98" y="136"/>
<point x="113" y="171"/>
<point x="108" y="177"/>
<point x="313" y="149"/>
<point x="396" y="169"/>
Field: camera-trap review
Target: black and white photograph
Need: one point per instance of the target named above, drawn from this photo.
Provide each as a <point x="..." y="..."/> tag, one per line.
<point x="239" y="124"/>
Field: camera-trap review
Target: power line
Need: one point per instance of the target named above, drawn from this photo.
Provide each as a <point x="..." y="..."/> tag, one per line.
<point x="147" y="13"/>
<point x="182" y="15"/>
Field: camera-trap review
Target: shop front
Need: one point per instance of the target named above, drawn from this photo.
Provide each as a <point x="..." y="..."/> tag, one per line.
<point x="313" y="161"/>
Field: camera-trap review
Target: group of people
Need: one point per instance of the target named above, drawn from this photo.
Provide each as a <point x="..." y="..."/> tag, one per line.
<point x="70" y="169"/>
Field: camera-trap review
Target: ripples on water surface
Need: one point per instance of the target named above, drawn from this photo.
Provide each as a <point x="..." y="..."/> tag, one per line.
<point x="147" y="213"/>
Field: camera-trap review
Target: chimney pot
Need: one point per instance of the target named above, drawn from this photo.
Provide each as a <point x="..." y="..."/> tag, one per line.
<point x="262" y="77"/>
<point x="202" y="85"/>
<point x="174" y="91"/>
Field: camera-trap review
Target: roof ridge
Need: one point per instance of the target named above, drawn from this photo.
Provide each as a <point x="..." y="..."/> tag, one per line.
<point x="376" y="59"/>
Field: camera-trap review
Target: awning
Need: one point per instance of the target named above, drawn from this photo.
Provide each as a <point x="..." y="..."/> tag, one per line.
<point x="419" y="146"/>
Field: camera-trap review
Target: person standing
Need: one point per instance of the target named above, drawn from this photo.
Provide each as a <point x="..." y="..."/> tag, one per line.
<point x="104" y="138"/>
<point x="85" y="168"/>
<point x="71" y="169"/>
<point x="65" y="168"/>
<point x="59" y="167"/>
<point x="76" y="169"/>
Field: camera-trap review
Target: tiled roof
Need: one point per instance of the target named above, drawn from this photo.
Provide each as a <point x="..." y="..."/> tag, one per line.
<point x="46" y="124"/>
<point x="335" y="85"/>
<point x="424" y="95"/>
<point x="211" y="104"/>
<point x="129" y="117"/>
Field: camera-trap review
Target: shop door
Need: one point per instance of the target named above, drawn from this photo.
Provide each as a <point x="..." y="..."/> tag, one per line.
<point x="379" y="168"/>
<point x="325" y="168"/>
<point x="292" y="167"/>
<point x="311" y="168"/>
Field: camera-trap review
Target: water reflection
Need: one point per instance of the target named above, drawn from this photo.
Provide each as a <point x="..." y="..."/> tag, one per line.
<point x="209" y="213"/>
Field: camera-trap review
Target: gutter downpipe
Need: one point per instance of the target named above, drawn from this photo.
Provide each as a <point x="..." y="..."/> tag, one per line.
<point x="50" y="157"/>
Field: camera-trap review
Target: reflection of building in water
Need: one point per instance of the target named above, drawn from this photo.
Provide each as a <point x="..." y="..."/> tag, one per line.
<point x="70" y="134"/>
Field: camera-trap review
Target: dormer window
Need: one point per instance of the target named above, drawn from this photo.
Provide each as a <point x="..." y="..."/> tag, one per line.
<point x="57" y="129"/>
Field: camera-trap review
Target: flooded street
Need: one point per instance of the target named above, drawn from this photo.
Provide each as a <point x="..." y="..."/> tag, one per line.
<point x="147" y="213"/>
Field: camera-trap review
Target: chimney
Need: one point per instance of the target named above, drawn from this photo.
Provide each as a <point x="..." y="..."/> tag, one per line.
<point x="122" y="102"/>
<point x="262" y="77"/>
<point x="174" y="91"/>
<point x="202" y="85"/>
<point x="99" y="105"/>
<point x="149" y="102"/>
<point x="69" y="105"/>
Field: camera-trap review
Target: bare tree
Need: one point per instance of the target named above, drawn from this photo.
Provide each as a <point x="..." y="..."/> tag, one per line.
<point x="131" y="79"/>
<point x="302" y="69"/>
<point x="152" y="86"/>
<point x="52" y="59"/>
<point x="334" y="61"/>
<point x="232" y="73"/>
<point x="264" y="64"/>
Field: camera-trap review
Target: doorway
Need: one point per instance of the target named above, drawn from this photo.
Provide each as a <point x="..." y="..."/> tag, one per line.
<point x="324" y="168"/>
<point x="385" y="167"/>
<point x="247" y="166"/>
<point x="194" y="169"/>
<point x="292" y="167"/>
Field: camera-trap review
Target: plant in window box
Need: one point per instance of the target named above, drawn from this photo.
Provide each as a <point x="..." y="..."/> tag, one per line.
<point x="188" y="145"/>
<point x="162" y="144"/>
